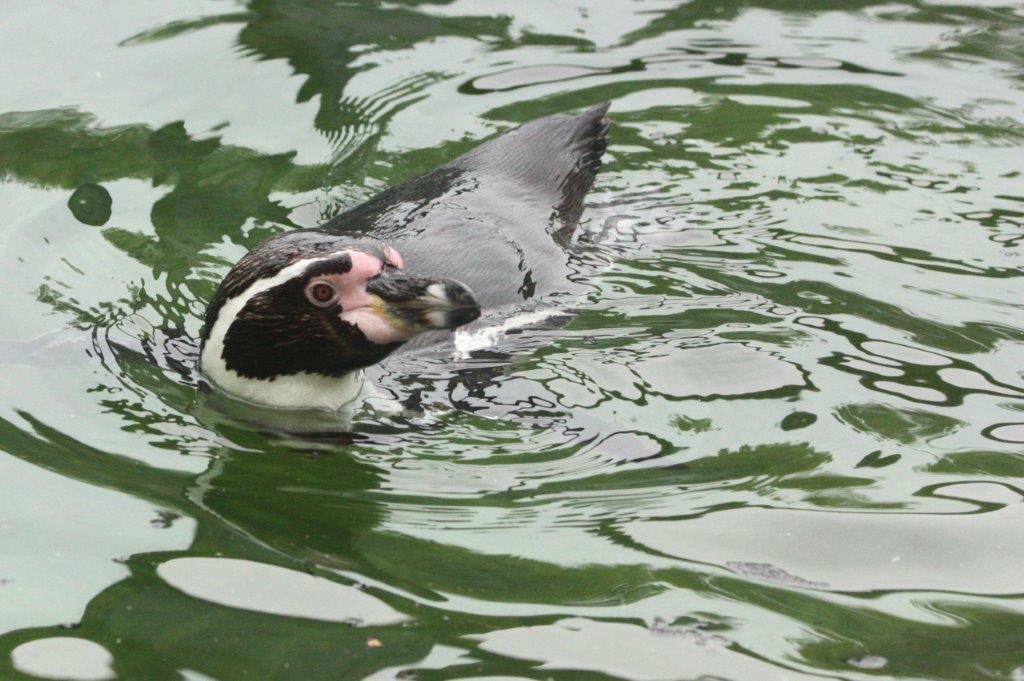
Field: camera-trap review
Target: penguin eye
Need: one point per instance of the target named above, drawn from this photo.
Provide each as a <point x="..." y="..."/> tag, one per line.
<point x="320" y="293"/>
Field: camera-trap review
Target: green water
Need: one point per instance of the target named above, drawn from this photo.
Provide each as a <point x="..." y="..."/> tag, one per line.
<point x="781" y="437"/>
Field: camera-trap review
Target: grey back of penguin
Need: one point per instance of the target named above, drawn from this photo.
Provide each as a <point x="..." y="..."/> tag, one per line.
<point x="495" y="217"/>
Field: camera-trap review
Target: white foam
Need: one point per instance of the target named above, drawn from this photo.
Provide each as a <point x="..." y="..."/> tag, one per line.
<point x="466" y="341"/>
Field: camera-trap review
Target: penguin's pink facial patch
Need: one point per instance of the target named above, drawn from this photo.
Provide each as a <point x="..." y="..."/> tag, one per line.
<point x="364" y="266"/>
<point x="345" y="288"/>
<point x="348" y="290"/>
<point x="376" y="328"/>
<point x="394" y="257"/>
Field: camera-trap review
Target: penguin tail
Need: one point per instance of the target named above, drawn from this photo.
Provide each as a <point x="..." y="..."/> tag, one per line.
<point x="590" y="141"/>
<point x="556" y="156"/>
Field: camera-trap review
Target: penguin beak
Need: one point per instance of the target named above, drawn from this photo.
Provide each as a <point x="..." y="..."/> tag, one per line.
<point x="415" y="304"/>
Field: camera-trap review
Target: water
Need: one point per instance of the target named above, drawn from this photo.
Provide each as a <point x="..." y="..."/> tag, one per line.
<point x="780" y="436"/>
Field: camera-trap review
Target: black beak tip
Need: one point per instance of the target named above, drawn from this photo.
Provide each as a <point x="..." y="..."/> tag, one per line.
<point x="464" y="307"/>
<point x="461" y="316"/>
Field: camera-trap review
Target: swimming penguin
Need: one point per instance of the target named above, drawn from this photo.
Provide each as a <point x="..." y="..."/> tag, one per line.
<point x="297" y="319"/>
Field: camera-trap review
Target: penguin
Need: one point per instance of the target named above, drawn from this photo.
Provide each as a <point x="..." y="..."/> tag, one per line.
<point x="297" y="319"/>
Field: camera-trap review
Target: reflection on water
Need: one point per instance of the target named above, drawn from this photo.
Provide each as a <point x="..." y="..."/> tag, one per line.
<point x="777" y="436"/>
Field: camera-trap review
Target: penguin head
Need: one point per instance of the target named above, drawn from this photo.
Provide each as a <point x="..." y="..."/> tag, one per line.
<point x="296" y="319"/>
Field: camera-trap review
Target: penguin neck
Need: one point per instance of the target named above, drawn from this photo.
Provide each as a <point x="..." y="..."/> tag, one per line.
<point x="293" y="391"/>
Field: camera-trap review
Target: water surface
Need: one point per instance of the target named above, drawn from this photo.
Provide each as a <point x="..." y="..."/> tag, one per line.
<point x="780" y="436"/>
